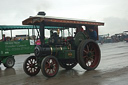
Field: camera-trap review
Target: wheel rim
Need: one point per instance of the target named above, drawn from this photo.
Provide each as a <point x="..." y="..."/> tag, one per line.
<point x="91" y="55"/>
<point x="31" y="66"/>
<point x="10" y="62"/>
<point x="51" y="67"/>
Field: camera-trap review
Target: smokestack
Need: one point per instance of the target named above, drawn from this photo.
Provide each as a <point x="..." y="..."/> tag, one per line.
<point x="41" y="13"/>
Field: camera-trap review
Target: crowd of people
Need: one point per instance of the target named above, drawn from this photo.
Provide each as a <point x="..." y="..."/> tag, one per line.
<point x="7" y="38"/>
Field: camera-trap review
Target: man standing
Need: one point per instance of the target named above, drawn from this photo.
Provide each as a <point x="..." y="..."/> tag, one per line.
<point x="92" y="34"/>
<point x="3" y="37"/>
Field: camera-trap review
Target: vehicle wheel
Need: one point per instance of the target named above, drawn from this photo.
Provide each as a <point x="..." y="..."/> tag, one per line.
<point x="9" y="62"/>
<point x="89" y="54"/>
<point x="78" y="51"/>
<point x="30" y="66"/>
<point x="67" y="65"/>
<point x="49" y="66"/>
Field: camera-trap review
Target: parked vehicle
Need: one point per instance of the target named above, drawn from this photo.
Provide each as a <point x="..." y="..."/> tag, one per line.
<point x="22" y="43"/>
<point x="125" y="33"/>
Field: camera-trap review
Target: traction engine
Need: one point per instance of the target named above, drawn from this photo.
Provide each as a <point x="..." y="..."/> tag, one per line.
<point x="62" y="51"/>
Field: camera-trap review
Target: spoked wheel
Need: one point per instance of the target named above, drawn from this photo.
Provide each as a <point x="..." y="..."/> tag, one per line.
<point x="88" y="54"/>
<point x="67" y="65"/>
<point x="10" y="62"/>
<point x="49" y="66"/>
<point x="30" y="66"/>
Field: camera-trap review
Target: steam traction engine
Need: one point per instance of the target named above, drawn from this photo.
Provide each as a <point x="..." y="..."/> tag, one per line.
<point x="67" y="45"/>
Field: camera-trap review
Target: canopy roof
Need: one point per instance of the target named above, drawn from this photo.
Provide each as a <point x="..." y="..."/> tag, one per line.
<point x="62" y="22"/>
<point x="11" y="27"/>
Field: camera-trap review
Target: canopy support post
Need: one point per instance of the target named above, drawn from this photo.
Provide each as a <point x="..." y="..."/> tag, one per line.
<point x="42" y="33"/>
<point x="28" y="35"/>
<point x="11" y="33"/>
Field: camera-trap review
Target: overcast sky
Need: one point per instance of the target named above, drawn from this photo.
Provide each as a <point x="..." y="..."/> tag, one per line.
<point x="114" y="13"/>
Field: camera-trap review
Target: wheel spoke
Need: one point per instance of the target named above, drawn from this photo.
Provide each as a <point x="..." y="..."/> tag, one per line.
<point x="31" y="61"/>
<point x="92" y="49"/>
<point x="85" y="56"/>
<point x="89" y="61"/>
<point x="86" y="60"/>
<point x="35" y="62"/>
<point x="51" y="71"/>
<point x="47" y="71"/>
<point x="87" y="48"/>
<point x="30" y="70"/>
<point x="54" y="69"/>
<point x="50" y="61"/>
<point x="53" y="62"/>
<point x="85" y="52"/>
<point x="90" y="46"/>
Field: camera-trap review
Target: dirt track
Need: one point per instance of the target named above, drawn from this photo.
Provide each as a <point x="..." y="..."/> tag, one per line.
<point x="113" y="70"/>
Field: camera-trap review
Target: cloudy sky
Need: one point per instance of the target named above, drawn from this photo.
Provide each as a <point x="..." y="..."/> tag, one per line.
<point x="114" y="13"/>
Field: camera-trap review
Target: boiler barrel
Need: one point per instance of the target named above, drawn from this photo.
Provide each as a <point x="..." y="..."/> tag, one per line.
<point x="51" y="50"/>
<point x="56" y="49"/>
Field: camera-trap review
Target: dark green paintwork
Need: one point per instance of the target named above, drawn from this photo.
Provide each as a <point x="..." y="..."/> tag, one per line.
<point x="9" y="48"/>
<point x="9" y="27"/>
<point x="66" y="54"/>
<point x="4" y="58"/>
<point x="79" y="37"/>
<point x="56" y="49"/>
<point x="12" y="27"/>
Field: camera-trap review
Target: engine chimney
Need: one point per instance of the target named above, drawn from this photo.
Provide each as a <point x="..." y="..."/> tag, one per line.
<point x="41" y="13"/>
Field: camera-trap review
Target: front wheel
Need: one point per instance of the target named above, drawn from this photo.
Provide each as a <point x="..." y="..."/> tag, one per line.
<point x="9" y="62"/>
<point x="30" y="66"/>
<point x="50" y="66"/>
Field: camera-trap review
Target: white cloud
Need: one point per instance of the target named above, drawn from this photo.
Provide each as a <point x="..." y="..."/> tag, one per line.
<point x="15" y="11"/>
<point x="114" y="25"/>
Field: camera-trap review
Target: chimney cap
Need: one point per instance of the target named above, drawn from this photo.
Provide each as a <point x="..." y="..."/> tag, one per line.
<point x="41" y="13"/>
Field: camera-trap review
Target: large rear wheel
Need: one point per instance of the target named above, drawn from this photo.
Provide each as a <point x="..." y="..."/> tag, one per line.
<point x="31" y="66"/>
<point x="88" y="54"/>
